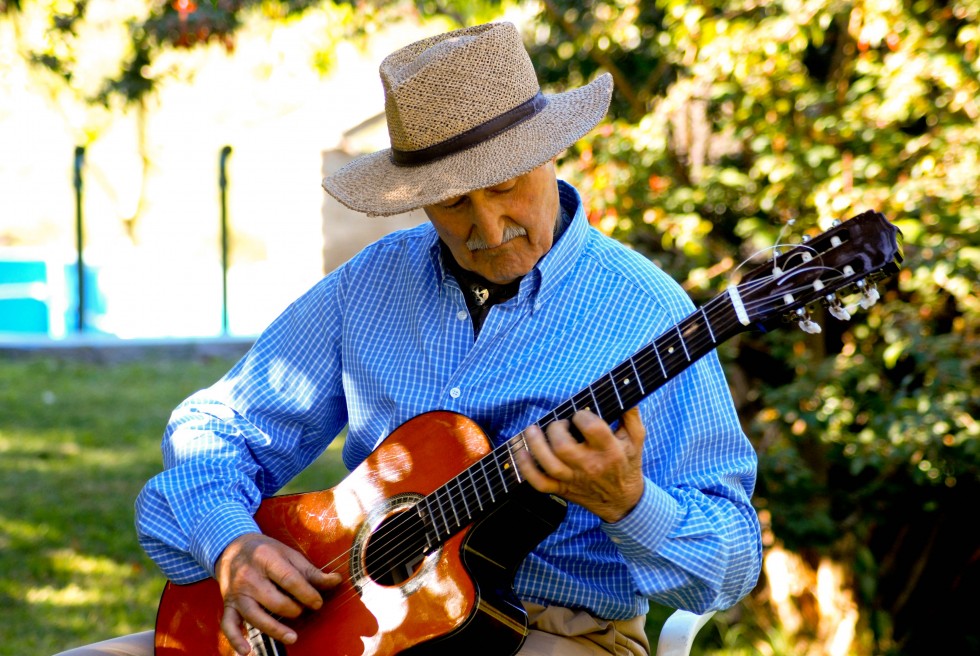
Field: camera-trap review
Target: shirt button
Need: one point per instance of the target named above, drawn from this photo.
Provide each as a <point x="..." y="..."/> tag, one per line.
<point x="537" y="305"/>
<point x="461" y="315"/>
<point x="454" y="392"/>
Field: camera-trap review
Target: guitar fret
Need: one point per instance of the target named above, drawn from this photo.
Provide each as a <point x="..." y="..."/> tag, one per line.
<point x="452" y="504"/>
<point x="616" y="390"/>
<point x="487" y="479"/>
<point x="513" y="462"/>
<point x="683" y="343"/>
<point x="462" y="493"/>
<point x="476" y="490"/>
<point x="432" y="517"/>
<point x="500" y="471"/>
<point x="657" y="351"/>
<point x="445" y="522"/>
<point x="636" y="374"/>
<point x="422" y="516"/>
<point x="708" y="324"/>
<point x="594" y="401"/>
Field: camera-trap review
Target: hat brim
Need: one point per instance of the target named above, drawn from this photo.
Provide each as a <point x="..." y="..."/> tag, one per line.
<point x="375" y="185"/>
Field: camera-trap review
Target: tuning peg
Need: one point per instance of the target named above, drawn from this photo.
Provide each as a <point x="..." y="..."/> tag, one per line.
<point x="836" y="309"/>
<point x="807" y="324"/>
<point x="869" y="294"/>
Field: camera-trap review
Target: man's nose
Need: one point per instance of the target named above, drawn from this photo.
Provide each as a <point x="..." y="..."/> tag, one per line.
<point x="488" y="223"/>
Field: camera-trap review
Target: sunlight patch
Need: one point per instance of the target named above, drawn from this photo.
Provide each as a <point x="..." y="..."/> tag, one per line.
<point x="70" y="595"/>
<point x="68" y="560"/>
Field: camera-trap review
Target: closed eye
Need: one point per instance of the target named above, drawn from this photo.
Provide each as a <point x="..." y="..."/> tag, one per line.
<point x="453" y="203"/>
<point x="504" y="187"/>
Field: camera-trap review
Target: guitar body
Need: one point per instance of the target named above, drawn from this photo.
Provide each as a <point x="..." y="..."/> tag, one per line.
<point x="456" y="595"/>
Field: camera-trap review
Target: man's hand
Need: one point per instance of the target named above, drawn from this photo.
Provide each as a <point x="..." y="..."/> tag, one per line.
<point x="261" y="577"/>
<point x="602" y="473"/>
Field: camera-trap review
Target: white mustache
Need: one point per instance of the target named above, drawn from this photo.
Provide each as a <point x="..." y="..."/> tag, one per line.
<point x="477" y="243"/>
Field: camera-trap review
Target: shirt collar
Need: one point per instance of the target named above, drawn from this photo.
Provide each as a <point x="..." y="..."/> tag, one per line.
<point x="557" y="263"/>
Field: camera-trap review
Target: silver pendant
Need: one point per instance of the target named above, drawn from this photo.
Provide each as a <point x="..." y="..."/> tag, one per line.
<point x="480" y="294"/>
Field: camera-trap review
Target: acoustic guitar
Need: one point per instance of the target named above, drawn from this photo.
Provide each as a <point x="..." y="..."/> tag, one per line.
<point x="427" y="533"/>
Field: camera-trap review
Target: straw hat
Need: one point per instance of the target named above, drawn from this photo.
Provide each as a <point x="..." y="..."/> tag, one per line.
<point x="464" y="112"/>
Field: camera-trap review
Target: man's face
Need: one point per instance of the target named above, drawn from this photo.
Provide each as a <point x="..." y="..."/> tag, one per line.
<point x="502" y="231"/>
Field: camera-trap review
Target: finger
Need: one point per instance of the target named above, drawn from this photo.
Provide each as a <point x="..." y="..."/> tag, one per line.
<point x="631" y="428"/>
<point x="274" y="599"/>
<point x="544" y="449"/>
<point x="298" y="578"/>
<point x="288" y="580"/>
<point x="534" y="476"/>
<point x="257" y="616"/>
<point x="231" y="626"/>
<point x="594" y="429"/>
<point x="316" y="577"/>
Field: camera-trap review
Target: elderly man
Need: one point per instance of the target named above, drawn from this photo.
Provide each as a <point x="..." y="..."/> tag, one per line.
<point x="500" y="308"/>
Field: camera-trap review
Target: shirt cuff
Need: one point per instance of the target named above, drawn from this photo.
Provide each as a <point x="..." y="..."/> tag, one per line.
<point x="216" y="530"/>
<point x="647" y="525"/>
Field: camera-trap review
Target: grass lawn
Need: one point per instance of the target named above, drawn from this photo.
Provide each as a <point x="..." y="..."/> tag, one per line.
<point x="77" y="442"/>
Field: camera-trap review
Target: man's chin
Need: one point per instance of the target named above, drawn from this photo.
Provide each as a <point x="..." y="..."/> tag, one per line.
<point x="501" y="275"/>
<point x="499" y="265"/>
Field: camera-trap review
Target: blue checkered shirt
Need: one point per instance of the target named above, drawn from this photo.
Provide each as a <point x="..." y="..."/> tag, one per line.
<point x="387" y="337"/>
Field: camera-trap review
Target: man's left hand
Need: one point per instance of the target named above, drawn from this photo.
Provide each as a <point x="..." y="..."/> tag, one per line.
<point x="602" y="473"/>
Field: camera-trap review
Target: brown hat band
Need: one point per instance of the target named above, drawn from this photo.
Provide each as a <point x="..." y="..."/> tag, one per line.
<point x="473" y="136"/>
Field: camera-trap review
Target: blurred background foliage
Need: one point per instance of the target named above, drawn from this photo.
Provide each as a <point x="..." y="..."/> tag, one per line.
<point x="741" y="124"/>
<point x="735" y="126"/>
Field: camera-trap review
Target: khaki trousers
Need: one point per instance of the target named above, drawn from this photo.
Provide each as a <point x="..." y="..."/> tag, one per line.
<point x="137" y="644"/>
<point x="555" y="631"/>
<point x="558" y="631"/>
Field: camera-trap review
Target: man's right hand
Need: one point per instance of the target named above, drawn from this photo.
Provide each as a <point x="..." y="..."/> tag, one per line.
<point x="260" y="578"/>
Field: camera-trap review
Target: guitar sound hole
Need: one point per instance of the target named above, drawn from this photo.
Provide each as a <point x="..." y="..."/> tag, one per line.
<point x="396" y="549"/>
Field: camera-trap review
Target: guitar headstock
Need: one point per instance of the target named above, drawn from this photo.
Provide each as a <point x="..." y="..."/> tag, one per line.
<point x="849" y="258"/>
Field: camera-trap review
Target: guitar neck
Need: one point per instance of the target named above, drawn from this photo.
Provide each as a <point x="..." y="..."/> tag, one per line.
<point x="654" y="365"/>
<point x="493" y="478"/>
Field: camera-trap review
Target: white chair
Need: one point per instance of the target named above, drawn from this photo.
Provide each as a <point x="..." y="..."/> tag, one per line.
<point x="679" y="631"/>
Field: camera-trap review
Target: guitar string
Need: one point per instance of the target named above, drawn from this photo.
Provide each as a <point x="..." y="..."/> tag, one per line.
<point x="670" y="344"/>
<point x="397" y="541"/>
<point x="380" y="538"/>
<point x="387" y="551"/>
<point x="513" y="445"/>
<point x="454" y="498"/>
